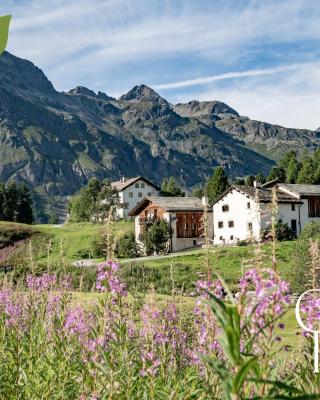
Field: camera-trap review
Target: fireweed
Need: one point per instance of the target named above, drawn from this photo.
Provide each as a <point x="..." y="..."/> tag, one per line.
<point x="52" y="348"/>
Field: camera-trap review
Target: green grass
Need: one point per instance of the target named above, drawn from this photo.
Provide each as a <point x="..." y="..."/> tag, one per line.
<point x="228" y="262"/>
<point x="76" y="240"/>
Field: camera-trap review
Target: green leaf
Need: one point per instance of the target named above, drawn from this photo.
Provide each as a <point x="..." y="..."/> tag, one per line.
<point x="4" y="32"/>
<point x="242" y="374"/>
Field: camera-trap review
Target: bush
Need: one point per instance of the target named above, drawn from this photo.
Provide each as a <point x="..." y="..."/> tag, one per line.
<point x="156" y="237"/>
<point x="283" y="233"/>
<point x="127" y="246"/>
<point x="11" y="233"/>
<point x="302" y="259"/>
<point x="311" y="231"/>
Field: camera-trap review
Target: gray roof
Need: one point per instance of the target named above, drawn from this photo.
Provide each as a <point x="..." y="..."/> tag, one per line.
<point x="265" y="194"/>
<point x="170" y="204"/>
<point x="301" y="190"/>
<point x="125" y="182"/>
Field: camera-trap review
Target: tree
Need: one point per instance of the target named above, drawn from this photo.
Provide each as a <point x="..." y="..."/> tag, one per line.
<point x="293" y="170"/>
<point x="216" y="184"/>
<point x="93" y="202"/>
<point x="127" y="246"/>
<point x="16" y="203"/>
<point x="53" y="217"/>
<point x="197" y="191"/>
<point x="24" y="212"/>
<point x="250" y="180"/>
<point x="306" y="173"/>
<point x="277" y="173"/>
<point x="10" y="203"/>
<point x="260" y="178"/>
<point x="156" y="237"/>
<point x="169" y="188"/>
<point x="240" y="181"/>
<point x="284" y="162"/>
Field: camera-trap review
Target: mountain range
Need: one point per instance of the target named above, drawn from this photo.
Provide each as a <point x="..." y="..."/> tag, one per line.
<point x="55" y="141"/>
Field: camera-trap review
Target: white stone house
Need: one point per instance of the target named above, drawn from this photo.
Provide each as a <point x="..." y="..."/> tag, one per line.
<point x="241" y="212"/>
<point x="184" y="215"/>
<point x="131" y="191"/>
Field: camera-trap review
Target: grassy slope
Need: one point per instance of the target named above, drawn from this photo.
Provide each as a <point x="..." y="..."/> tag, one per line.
<point x="76" y="239"/>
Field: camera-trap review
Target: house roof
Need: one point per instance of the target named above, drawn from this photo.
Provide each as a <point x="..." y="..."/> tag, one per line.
<point x="169" y="204"/>
<point x="265" y="194"/>
<point x="123" y="184"/>
<point x="300" y="190"/>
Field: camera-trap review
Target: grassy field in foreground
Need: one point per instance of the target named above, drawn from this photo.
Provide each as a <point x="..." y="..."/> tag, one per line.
<point x="185" y="270"/>
<point x="288" y="334"/>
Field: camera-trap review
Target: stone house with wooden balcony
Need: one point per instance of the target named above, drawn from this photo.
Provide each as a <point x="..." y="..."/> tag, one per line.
<point x="185" y="216"/>
<point x="130" y="192"/>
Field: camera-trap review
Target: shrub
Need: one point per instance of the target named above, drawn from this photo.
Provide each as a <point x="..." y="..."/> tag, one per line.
<point x="156" y="237"/>
<point x="127" y="246"/>
<point x="311" y="231"/>
<point x="283" y="233"/>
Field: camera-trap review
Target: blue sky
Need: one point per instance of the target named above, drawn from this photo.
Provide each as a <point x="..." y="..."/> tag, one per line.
<point x="262" y="57"/>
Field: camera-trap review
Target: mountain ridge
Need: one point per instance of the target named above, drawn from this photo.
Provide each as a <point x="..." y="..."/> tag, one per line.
<point x="55" y="141"/>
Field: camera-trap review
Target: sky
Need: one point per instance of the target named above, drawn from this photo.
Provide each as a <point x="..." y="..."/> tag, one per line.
<point x="261" y="57"/>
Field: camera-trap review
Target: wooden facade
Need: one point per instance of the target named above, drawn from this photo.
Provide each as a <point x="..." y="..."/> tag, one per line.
<point x="189" y="224"/>
<point x="314" y="206"/>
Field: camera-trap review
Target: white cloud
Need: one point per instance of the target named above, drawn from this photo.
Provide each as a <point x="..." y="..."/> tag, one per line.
<point x="291" y="100"/>
<point x="228" y="75"/>
<point x="106" y="45"/>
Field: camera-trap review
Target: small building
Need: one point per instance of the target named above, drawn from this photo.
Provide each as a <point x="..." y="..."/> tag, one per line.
<point x="242" y="212"/>
<point x="131" y="191"/>
<point x="184" y="215"/>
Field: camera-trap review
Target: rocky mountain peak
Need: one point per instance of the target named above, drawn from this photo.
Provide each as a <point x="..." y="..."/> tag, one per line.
<point x="83" y="91"/>
<point x="213" y="110"/>
<point x="21" y="75"/>
<point x="143" y="93"/>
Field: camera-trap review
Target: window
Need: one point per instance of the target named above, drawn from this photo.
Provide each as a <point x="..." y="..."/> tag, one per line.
<point x="231" y="224"/>
<point x="140" y="194"/>
<point x="130" y="194"/>
<point x="250" y="226"/>
<point x="314" y="206"/>
<point x="225" y="208"/>
<point x="248" y="204"/>
<point x="149" y="194"/>
<point x="280" y="221"/>
<point x="136" y="185"/>
<point x="294" y="225"/>
<point x="142" y="185"/>
<point x="293" y="207"/>
<point x="231" y="237"/>
<point x="220" y="224"/>
<point x="194" y="242"/>
<point x="220" y="237"/>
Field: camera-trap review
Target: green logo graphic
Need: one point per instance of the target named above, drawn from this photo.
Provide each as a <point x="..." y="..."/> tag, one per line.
<point x="4" y="32"/>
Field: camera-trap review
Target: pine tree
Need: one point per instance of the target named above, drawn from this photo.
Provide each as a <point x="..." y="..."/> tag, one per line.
<point x="24" y="211"/>
<point x="170" y="188"/>
<point x="277" y="173"/>
<point x="250" y="180"/>
<point x="293" y="170"/>
<point x="306" y="173"/>
<point x="260" y="178"/>
<point x="10" y="204"/>
<point x="217" y="184"/>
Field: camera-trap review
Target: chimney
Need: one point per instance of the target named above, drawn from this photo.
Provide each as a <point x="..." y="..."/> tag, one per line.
<point x="256" y="184"/>
<point x="123" y="179"/>
<point x="205" y="201"/>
